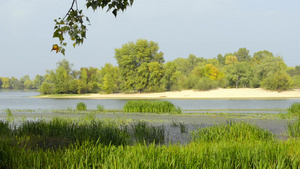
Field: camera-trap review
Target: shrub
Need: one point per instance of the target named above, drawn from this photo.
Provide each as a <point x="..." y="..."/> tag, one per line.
<point x="294" y="109"/>
<point x="81" y="106"/>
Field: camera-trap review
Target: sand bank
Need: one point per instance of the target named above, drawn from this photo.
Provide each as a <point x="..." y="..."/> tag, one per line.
<point x="241" y="93"/>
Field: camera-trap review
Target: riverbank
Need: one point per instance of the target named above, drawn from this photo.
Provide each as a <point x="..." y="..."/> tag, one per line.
<point x="241" y="93"/>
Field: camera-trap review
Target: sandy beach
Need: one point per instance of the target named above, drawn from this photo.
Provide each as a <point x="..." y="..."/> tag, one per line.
<point x="241" y="93"/>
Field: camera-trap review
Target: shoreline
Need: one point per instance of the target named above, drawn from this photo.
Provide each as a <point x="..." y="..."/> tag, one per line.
<point x="240" y="93"/>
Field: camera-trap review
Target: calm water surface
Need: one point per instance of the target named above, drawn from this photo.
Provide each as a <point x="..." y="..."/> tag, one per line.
<point x="21" y="100"/>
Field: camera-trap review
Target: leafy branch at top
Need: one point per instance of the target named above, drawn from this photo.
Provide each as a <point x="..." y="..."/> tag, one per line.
<point x="73" y="24"/>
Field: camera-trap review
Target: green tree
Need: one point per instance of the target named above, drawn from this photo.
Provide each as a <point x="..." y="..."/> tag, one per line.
<point x="109" y="78"/>
<point x="238" y="72"/>
<point x="58" y="81"/>
<point x="171" y="75"/>
<point x="74" y="22"/>
<point x="133" y="60"/>
<point x="243" y="55"/>
<point x="5" y="83"/>
<point x="279" y="81"/>
<point x="38" y="80"/>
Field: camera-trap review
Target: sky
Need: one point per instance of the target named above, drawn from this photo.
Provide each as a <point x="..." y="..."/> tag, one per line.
<point x="204" y="28"/>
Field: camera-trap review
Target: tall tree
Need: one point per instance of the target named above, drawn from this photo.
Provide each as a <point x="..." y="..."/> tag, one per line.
<point x="133" y="60"/>
<point x="242" y="54"/>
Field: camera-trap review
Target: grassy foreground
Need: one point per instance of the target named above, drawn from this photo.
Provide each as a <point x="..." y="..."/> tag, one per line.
<point x="66" y="143"/>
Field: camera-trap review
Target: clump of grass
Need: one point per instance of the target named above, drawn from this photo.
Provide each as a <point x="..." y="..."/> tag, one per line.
<point x="232" y="131"/>
<point x="294" y="109"/>
<point x="100" y="108"/>
<point x="81" y="106"/>
<point x="9" y="115"/>
<point x="143" y="133"/>
<point x="174" y="123"/>
<point x="183" y="127"/>
<point x="294" y="128"/>
<point x="143" y="106"/>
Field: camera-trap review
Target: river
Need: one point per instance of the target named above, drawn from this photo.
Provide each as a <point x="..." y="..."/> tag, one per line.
<point x="22" y="100"/>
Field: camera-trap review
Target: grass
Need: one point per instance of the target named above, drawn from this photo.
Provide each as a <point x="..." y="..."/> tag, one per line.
<point x="100" y="108"/>
<point x="294" y="109"/>
<point x="294" y="128"/>
<point x="81" y="106"/>
<point x="143" y="106"/>
<point x="90" y="143"/>
<point x="232" y="131"/>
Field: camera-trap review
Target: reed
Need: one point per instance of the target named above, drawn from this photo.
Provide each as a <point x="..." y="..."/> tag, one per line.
<point x="232" y="131"/>
<point x="193" y="155"/>
<point x="294" y="128"/>
<point x="100" y="108"/>
<point x="143" y="133"/>
<point x="143" y="106"/>
<point x="81" y="106"/>
<point x="106" y="144"/>
<point x="294" y="109"/>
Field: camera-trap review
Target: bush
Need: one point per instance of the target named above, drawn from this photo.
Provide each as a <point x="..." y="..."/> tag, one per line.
<point x="294" y="109"/>
<point x="81" y="106"/>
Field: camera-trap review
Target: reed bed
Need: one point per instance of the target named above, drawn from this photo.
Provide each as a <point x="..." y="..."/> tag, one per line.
<point x="294" y="128"/>
<point x="107" y="144"/>
<point x="143" y="106"/>
<point x="294" y="109"/>
<point x="240" y="131"/>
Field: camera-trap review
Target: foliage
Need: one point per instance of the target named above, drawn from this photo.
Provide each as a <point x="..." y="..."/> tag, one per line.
<point x="81" y="106"/>
<point x="294" y="109"/>
<point x="74" y="22"/>
<point x="140" y="65"/>
<point x="279" y="81"/>
<point x="150" y="107"/>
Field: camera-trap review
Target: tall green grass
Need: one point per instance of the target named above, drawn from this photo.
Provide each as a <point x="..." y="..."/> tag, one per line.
<point x="294" y="128"/>
<point x="193" y="155"/>
<point x="106" y="144"/>
<point x="294" y="109"/>
<point x="81" y="106"/>
<point x="143" y="106"/>
<point x="144" y="133"/>
<point x="232" y="131"/>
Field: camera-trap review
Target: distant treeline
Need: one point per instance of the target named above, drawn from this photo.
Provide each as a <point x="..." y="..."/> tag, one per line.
<point x="142" y="68"/>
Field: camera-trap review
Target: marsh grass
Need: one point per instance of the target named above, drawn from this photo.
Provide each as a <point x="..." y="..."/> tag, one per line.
<point x="183" y="127"/>
<point x="237" y="131"/>
<point x="294" y="109"/>
<point x="143" y="133"/>
<point x="75" y="143"/>
<point x="294" y="128"/>
<point x="100" y="108"/>
<point x="81" y="106"/>
<point x="143" y="106"/>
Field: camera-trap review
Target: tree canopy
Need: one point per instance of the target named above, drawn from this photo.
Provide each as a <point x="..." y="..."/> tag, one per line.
<point x="74" y="22"/>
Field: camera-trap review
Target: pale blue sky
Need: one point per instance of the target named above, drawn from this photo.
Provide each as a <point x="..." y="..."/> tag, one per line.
<point x="201" y="27"/>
